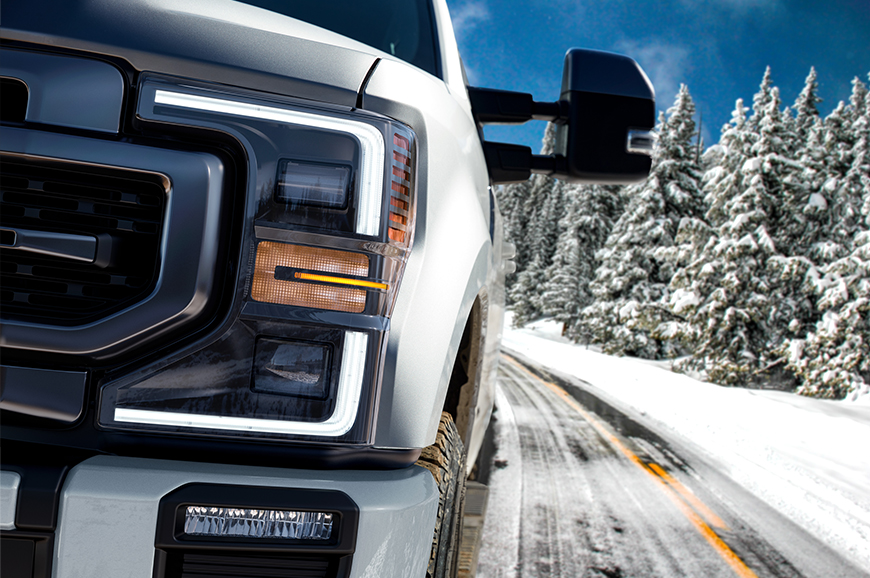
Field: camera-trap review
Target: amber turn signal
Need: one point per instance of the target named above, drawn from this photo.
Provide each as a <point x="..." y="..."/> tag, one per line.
<point x="272" y="277"/>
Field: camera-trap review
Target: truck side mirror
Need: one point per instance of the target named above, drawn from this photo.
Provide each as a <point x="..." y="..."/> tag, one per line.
<point x="604" y="117"/>
<point x="611" y="111"/>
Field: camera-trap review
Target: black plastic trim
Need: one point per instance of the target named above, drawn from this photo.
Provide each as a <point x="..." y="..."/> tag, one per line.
<point x="26" y="554"/>
<point x="67" y="91"/>
<point x="47" y="393"/>
<point x="43" y="471"/>
<point x="238" y="451"/>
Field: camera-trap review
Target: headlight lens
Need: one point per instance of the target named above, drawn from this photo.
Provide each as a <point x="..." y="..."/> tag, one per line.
<point x="320" y="185"/>
<point x="330" y="221"/>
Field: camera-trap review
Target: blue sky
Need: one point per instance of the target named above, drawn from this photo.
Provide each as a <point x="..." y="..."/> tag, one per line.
<point x="719" y="48"/>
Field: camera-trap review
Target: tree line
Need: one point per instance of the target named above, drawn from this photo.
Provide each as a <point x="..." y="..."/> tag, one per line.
<point x="747" y="261"/>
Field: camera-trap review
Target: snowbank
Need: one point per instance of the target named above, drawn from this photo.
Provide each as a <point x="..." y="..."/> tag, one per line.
<point x="808" y="458"/>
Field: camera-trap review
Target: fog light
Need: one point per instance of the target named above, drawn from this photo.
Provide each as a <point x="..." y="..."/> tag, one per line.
<point x="250" y="523"/>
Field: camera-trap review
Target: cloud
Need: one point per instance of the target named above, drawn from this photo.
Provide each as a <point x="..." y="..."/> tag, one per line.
<point x="467" y="16"/>
<point x="667" y="66"/>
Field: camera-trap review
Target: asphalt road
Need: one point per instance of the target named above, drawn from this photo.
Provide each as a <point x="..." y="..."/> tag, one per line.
<point x="579" y="489"/>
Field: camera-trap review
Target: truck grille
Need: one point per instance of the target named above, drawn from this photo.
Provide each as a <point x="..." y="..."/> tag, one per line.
<point x="249" y="565"/>
<point x="121" y="207"/>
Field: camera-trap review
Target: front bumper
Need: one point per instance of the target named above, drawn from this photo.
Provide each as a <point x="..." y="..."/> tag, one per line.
<point x="109" y="510"/>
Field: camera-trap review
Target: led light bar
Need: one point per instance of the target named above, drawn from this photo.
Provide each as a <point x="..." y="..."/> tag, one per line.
<point x="339" y="423"/>
<point x="249" y="523"/>
<point x="372" y="147"/>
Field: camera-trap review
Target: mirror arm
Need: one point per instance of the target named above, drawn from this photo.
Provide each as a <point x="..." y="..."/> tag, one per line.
<point x="490" y="106"/>
<point x="550" y="111"/>
<point x="510" y="163"/>
<point x="548" y="165"/>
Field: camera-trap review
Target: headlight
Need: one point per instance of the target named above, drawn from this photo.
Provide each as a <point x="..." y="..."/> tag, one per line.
<point x="329" y="226"/>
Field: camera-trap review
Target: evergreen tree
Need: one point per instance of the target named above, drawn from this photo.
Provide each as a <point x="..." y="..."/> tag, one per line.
<point x="806" y="107"/>
<point x="590" y="211"/>
<point x="842" y="132"/>
<point x="637" y="263"/>
<point x="541" y="210"/>
<point x="511" y="200"/>
<point x="723" y="179"/>
<point x="834" y="360"/>
<point x="525" y="294"/>
<point x="790" y="298"/>
<point x="722" y="295"/>
<point x="761" y="100"/>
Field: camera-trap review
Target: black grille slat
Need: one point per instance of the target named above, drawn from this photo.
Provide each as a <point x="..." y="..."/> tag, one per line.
<point x="122" y="207"/>
<point x="253" y="566"/>
<point x="13" y="105"/>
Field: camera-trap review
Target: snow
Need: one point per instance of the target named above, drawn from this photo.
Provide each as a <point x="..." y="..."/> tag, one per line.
<point x="682" y="299"/>
<point x="817" y="200"/>
<point x="805" y="457"/>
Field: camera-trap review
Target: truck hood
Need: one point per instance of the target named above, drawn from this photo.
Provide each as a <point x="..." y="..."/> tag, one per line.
<point x="213" y="40"/>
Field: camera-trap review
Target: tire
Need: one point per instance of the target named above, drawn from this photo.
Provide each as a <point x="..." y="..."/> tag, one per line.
<point x="446" y="460"/>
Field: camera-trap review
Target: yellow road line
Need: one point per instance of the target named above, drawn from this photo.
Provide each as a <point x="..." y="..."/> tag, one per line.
<point x="727" y="554"/>
<point x="693" y="500"/>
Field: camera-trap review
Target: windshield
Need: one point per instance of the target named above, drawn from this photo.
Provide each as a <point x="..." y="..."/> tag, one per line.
<point x="403" y="28"/>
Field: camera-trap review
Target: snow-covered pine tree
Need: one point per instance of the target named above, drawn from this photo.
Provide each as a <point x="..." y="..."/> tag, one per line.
<point x="695" y="281"/>
<point x="511" y="202"/>
<point x="806" y="109"/>
<point x="511" y="199"/>
<point x="806" y="146"/>
<point x="723" y="295"/>
<point x="834" y="360"/>
<point x="544" y="231"/>
<point x="849" y="179"/>
<point x="542" y="210"/>
<point x="631" y="283"/>
<point x="844" y="195"/>
<point x="790" y="298"/>
<point x="723" y="178"/>
<point x="590" y="211"/>
<point x="760" y="100"/>
<point x="525" y="294"/>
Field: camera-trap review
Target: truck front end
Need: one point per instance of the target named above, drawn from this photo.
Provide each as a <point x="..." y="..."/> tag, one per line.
<point x="208" y="213"/>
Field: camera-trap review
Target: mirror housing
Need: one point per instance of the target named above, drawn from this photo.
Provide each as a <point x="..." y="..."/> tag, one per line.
<point x="604" y="120"/>
<point x="611" y="111"/>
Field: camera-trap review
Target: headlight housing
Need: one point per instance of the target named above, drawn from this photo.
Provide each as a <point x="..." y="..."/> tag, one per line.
<point x="329" y="225"/>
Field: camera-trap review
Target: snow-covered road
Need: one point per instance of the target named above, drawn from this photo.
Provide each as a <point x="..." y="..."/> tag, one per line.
<point x="580" y="489"/>
<point x="806" y="458"/>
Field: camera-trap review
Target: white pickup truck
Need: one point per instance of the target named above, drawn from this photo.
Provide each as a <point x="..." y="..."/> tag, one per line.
<point x="252" y="280"/>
